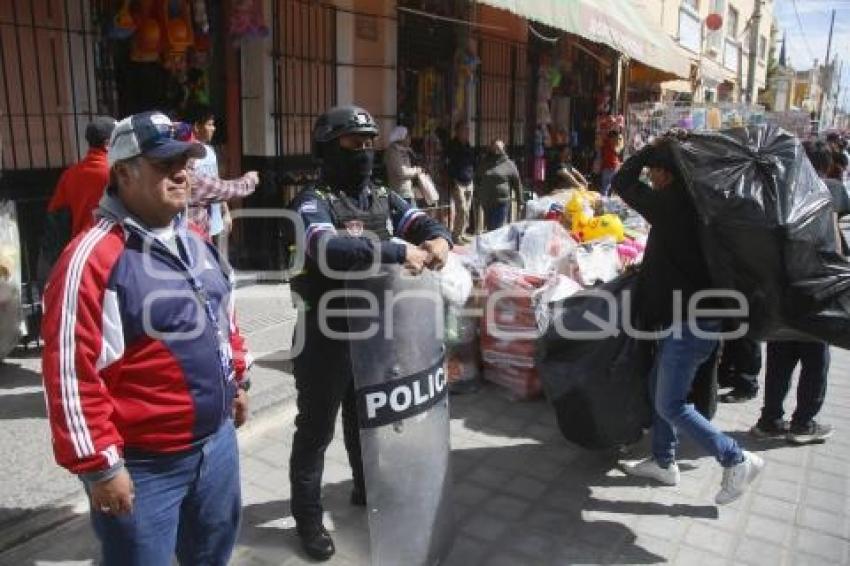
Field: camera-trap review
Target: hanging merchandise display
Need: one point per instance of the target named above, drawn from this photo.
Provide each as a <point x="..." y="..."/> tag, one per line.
<point x="466" y="69"/>
<point x="170" y="45"/>
<point x="147" y="40"/>
<point x="646" y="121"/>
<point x="246" y="21"/>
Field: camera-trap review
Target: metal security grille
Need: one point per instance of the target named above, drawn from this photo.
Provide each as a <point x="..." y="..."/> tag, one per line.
<point x="55" y="77"/>
<point x="304" y="39"/>
<point x="502" y="103"/>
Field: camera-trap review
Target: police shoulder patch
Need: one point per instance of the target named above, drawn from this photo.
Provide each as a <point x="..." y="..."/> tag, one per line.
<point x="308" y="207"/>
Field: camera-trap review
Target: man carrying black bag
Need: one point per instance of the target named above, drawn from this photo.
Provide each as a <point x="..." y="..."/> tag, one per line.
<point x="813" y="357"/>
<point x="674" y="267"/>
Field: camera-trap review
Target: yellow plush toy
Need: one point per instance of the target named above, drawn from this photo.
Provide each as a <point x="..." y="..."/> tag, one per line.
<point x="585" y="227"/>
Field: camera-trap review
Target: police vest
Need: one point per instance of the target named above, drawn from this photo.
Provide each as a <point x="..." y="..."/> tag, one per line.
<point x="348" y="219"/>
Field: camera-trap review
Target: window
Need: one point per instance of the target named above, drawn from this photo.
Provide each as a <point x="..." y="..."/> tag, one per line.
<point x="732" y="24"/>
<point x="762" y="47"/>
<point x="730" y="55"/>
<point x="689" y="30"/>
<point x="692" y="4"/>
<point x="714" y="39"/>
<point x="718" y="7"/>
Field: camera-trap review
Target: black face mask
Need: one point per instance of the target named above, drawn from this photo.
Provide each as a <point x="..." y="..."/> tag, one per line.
<point x="347" y="169"/>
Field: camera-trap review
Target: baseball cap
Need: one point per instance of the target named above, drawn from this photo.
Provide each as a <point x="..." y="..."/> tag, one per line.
<point x="151" y="134"/>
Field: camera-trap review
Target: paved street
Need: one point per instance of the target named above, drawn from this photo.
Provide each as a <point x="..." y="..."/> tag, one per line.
<point x="523" y="495"/>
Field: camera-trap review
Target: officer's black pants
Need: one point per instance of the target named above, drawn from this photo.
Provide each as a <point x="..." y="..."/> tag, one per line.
<point x="324" y="381"/>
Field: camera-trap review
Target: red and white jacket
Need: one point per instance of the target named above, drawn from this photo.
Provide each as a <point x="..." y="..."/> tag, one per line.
<point x="142" y="350"/>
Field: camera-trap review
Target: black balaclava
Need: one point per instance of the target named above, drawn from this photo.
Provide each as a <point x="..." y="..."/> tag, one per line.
<point x="347" y="169"/>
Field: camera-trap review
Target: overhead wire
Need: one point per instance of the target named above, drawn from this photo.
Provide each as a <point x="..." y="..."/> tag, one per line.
<point x="802" y="33"/>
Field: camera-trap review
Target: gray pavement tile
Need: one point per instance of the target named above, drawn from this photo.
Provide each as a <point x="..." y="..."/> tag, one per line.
<point x="829" y="464"/>
<point x="758" y="553"/>
<point x="774" y="508"/>
<point x="646" y="549"/>
<point x="769" y="530"/>
<point x="508" y="507"/>
<point x="825" y="546"/>
<point x="486" y="527"/>
<point x="662" y="526"/>
<point x="828" y="482"/>
<point x="467" y="552"/>
<point x="777" y="489"/>
<point x="825" y="500"/>
<point x="822" y="521"/>
<point x="784" y="472"/>
<point x="716" y="541"/>
<point x="525" y="488"/>
<point x="803" y="559"/>
<point x="469" y="493"/>
<point x="698" y="557"/>
<point x="490" y="477"/>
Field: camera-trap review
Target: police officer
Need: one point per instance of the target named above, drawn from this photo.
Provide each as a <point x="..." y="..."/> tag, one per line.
<point x="338" y="213"/>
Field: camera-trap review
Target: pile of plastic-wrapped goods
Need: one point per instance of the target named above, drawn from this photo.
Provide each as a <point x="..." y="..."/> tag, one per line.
<point x="572" y="240"/>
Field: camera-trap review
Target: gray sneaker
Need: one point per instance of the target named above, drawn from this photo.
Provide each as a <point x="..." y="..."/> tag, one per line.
<point x="811" y="433"/>
<point x="775" y="429"/>
<point x="649" y="468"/>
<point x="737" y="478"/>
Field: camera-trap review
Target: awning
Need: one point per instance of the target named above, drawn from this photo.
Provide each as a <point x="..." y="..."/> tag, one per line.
<point x="616" y="23"/>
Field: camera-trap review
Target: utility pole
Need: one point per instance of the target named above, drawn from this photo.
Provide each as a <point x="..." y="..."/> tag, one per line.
<point x="755" y="24"/>
<point x="826" y="69"/>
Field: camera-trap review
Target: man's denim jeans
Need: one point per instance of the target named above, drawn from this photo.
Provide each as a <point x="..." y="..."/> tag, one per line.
<point x="672" y="376"/>
<point x="188" y="503"/>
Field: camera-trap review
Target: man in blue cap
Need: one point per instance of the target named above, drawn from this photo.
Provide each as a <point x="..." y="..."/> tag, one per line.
<point x="144" y="368"/>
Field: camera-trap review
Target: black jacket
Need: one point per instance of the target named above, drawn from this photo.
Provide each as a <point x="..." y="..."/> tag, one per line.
<point x="674" y="259"/>
<point x="461" y="161"/>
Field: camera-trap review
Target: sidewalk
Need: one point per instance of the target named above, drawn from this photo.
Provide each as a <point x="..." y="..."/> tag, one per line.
<point x="523" y="495"/>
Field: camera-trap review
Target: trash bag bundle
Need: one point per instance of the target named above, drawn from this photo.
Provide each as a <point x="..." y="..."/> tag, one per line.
<point x="768" y="231"/>
<point x="597" y="384"/>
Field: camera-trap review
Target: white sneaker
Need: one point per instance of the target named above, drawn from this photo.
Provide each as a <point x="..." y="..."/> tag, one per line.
<point x="649" y="468"/>
<point x="738" y="477"/>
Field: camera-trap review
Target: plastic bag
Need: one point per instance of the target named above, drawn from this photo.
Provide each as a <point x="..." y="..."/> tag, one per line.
<point x="598" y="387"/>
<point x="455" y="281"/>
<point x="425" y="189"/>
<point x="596" y="262"/>
<point x="10" y="279"/>
<point x="768" y="232"/>
<point x="545" y="246"/>
<point x="509" y="329"/>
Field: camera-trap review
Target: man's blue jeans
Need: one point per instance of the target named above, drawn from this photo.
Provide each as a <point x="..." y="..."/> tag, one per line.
<point x="672" y="376"/>
<point x="188" y="503"/>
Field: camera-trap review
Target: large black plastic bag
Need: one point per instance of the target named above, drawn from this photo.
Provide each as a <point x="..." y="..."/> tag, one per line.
<point x="598" y="387"/>
<point x="768" y="231"/>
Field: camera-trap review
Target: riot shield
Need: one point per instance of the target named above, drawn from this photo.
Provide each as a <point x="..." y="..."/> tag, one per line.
<point x="403" y="412"/>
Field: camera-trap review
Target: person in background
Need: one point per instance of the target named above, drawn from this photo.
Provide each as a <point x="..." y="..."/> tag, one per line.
<point x="208" y="211"/>
<point x="612" y="147"/>
<point x="813" y="357"/>
<point x="81" y="186"/>
<point x="675" y="264"/>
<point x="563" y="172"/>
<point x="740" y="365"/>
<point x="397" y="160"/>
<point x="497" y="180"/>
<point x="839" y="166"/>
<point x="461" y="169"/>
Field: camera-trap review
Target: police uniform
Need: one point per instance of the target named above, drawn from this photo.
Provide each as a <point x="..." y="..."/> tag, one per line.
<point x="336" y="222"/>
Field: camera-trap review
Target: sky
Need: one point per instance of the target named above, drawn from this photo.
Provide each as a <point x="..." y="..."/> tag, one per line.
<point x="807" y="38"/>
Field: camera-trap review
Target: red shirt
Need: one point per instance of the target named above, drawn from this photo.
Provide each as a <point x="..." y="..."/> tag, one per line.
<point x="80" y="188"/>
<point x="610" y="159"/>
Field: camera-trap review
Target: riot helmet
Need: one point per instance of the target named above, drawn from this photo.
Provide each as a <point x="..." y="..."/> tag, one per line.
<point x="338" y="121"/>
<point x="344" y="167"/>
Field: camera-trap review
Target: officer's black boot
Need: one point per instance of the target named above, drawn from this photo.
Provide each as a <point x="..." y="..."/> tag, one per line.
<point x="316" y="541"/>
